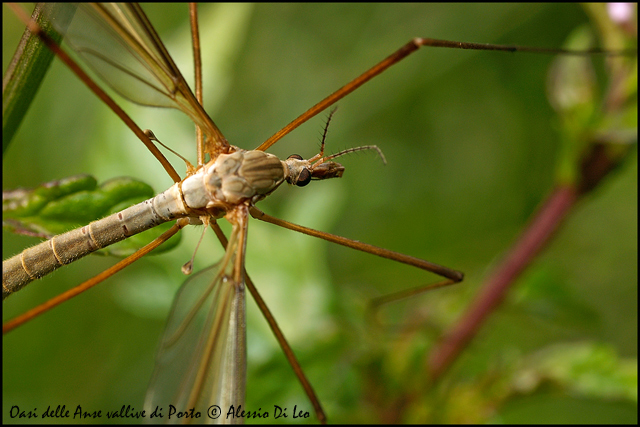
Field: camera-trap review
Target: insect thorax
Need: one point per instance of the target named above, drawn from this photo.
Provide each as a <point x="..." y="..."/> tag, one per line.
<point x="232" y="179"/>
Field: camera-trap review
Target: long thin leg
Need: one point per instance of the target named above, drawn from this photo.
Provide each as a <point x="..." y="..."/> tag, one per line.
<point x="197" y="69"/>
<point x="453" y="275"/>
<point x="402" y="53"/>
<point x="75" y="68"/>
<point x="65" y="296"/>
<point x="284" y="345"/>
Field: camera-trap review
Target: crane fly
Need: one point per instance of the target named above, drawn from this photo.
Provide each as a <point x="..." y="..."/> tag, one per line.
<point x="368" y="135"/>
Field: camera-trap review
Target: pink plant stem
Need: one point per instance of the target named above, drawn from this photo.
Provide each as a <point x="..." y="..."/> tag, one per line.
<point x="534" y="238"/>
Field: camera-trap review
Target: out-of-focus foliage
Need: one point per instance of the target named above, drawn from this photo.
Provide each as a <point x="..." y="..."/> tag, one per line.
<point x="472" y="146"/>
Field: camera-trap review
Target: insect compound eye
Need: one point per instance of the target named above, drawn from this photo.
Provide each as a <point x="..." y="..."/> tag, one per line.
<point x="304" y="178"/>
<point x="295" y="156"/>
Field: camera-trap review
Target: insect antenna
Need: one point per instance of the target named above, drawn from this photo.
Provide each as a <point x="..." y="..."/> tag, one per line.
<point x="355" y="149"/>
<point x="319" y="158"/>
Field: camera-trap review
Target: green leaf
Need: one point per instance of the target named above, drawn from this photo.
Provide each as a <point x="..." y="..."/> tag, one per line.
<point x="73" y="202"/>
<point x="589" y="369"/>
<point x="28" y="68"/>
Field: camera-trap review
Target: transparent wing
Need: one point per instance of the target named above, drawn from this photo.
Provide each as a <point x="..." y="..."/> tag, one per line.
<point x="120" y="45"/>
<point x="202" y="357"/>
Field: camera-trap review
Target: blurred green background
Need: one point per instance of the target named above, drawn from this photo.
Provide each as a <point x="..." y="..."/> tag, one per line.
<point x="471" y="148"/>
